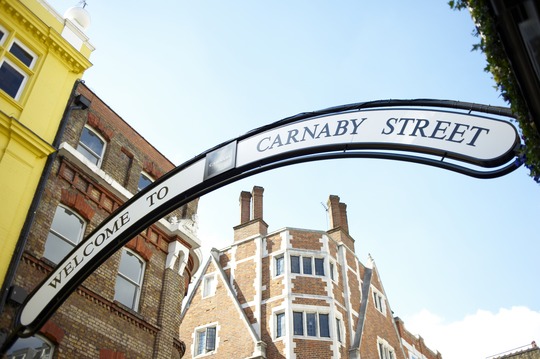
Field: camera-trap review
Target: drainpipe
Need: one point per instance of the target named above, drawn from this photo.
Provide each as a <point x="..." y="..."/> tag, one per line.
<point x="75" y="102"/>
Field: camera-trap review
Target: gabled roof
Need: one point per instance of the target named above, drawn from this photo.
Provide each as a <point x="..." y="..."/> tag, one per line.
<point x="214" y="259"/>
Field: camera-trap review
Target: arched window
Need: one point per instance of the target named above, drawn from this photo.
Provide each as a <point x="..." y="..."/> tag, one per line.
<point x="66" y="232"/>
<point x="91" y="145"/>
<point x="32" y="347"/>
<point x="144" y="181"/>
<point x="129" y="280"/>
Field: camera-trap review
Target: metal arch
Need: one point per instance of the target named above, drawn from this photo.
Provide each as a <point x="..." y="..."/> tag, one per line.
<point x="28" y="324"/>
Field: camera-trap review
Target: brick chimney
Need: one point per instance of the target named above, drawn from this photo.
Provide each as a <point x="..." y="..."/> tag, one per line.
<point x="339" y="225"/>
<point x="245" y="206"/>
<point x="251" y="215"/>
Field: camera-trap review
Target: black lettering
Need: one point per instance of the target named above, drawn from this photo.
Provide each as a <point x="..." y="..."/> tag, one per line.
<point x="421" y="124"/>
<point x="311" y="134"/>
<point x="356" y="125"/>
<point x="457" y="132"/>
<point x="341" y="127"/>
<point x="56" y="281"/>
<point x="100" y="236"/>
<point x="277" y="141"/>
<point x="292" y="136"/>
<point x="391" y="127"/>
<point x="325" y="130"/>
<point x="438" y="129"/>
<point x="405" y="123"/>
<point x="85" y="248"/>
<point x="475" y="137"/>
<point x="259" y="144"/>
<point x="68" y="268"/>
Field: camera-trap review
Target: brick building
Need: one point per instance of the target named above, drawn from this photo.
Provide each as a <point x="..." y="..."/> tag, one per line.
<point x="293" y="293"/>
<point x="130" y="306"/>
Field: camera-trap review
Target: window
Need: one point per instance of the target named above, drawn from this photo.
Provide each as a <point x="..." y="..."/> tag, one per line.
<point x="280" y="325"/>
<point x="295" y="264"/>
<point x="32" y="347"/>
<point x="324" y="326"/>
<point x="338" y="330"/>
<point x="279" y="265"/>
<point x="298" y="323"/>
<point x="209" y="286"/>
<point x="92" y="146"/>
<point x="307" y="265"/>
<point x="15" y="66"/>
<point x="319" y="266"/>
<point x="129" y="279"/>
<point x="316" y="324"/>
<point x="205" y="340"/>
<point x="385" y="350"/>
<point x="332" y="275"/>
<point x="306" y="262"/>
<point x="378" y="299"/>
<point x="67" y="230"/>
<point x="144" y="181"/>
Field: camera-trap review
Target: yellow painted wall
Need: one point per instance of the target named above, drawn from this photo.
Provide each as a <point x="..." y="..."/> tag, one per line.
<point x="28" y="125"/>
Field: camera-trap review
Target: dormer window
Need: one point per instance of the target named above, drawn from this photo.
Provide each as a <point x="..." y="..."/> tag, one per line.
<point x="92" y="146"/>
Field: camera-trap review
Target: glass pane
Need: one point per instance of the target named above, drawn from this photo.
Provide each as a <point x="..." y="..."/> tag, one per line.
<point x="201" y="341"/>
<point x="280" y="319"/>
<point x="131" y="266"/>
<point x="143" y="182"/>
<point x="56" y="248"/>
<point x="332" y="271"/>
<point x="125" y="292"/>
<point x="21" y="54"/>
<point x="92" y="143"/>
<point x="67" y="224"/>
<point x="295" y="264"/>
<point x="10" y="79"/>
<point x="338" y="330"/>
<point x="307" y="265"/>
<point x="311" y="322"/>
<point x="279" y="265"/>
<point x="319" y="266"/>
<point x="32" y="347"/>
<point x="211" y="339"/>
<point x="1" y="36"/>
<point x="324" y="328"/>
<point x="298" y="318"/>
<point x="89" y="155"/>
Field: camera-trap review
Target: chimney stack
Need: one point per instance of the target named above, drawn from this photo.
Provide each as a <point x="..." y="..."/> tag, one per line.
<point x="245" y="206"/>
<point x="338" y="213"/>
<point x="251" y="215"/>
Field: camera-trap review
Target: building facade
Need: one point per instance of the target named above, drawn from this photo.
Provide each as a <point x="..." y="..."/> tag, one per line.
<point x="293" y="293"/>
<point x="41" y="56"/>
<point x="130" y="306"/>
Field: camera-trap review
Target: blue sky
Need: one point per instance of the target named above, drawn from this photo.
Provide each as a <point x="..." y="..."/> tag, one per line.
<point x="458" y="256"/>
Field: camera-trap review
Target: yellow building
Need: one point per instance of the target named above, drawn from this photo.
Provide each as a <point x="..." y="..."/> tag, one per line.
<point x="41" y="57"/>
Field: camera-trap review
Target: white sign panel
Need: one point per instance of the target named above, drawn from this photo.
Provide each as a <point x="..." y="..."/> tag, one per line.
<point x="470" y="138"/>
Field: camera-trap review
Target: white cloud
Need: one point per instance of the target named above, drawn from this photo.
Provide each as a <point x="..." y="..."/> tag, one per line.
<point x="477" y="336"/>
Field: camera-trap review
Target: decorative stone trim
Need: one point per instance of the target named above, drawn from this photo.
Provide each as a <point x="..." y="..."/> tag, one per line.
<point x="78" y="203"/>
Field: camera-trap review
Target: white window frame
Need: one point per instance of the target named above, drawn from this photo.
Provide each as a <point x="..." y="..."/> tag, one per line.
<point x="144" y="174"/>
<point x="311" y="258"/>
<point x="206" y="293"/>
<point x="332" y="270"/>
<point x="96" y="133"/>
<point x="379" y="301"/>
<point x="205" y="350"/>
<point x="139" y="285"/>
<point x="283" y="327"/>
<point x="388" y="351"/>
<point x="25" y="48"/>
<point x="68" y="241"/>
<point x="6" y="35"/>
<point x="16" y="63"/>
<point x="279" y="257"/>
<point x="318" y="313"/>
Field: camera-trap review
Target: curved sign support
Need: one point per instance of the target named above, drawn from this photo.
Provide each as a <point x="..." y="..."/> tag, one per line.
<point x="380" y="129"/>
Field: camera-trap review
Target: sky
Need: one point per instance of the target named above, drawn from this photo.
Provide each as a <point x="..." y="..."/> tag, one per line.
<point x="458" y="256"/>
